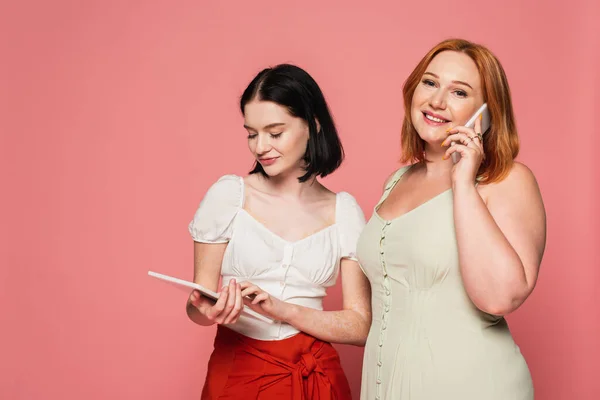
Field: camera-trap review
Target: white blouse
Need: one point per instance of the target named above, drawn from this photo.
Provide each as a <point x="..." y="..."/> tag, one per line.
<point x="296" y="272"/>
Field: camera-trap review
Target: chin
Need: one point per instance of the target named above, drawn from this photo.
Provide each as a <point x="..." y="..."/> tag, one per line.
<point x="273" y="171"/>
<point x="279" y="172"/>
<point x="426" y="135"/>
<point x="430" y="134"/>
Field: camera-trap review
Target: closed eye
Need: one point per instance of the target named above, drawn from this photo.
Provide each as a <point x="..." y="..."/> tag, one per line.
<point x="275" y="135"/>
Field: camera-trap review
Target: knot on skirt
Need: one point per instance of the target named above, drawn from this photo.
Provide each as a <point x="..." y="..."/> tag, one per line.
<point x="307" y="364"/>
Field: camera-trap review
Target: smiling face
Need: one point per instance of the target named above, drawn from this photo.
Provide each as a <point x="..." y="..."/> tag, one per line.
<point x="276" y="139"/>
<point x="448" y="95"/>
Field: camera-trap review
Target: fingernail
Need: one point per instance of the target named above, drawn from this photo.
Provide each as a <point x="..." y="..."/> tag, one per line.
<point x="443" y="158"/>
<point x="480" y="117"/>
<point x="442" y="144"/>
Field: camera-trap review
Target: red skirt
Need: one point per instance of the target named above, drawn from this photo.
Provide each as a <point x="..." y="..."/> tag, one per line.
<point x="298" y="368"/>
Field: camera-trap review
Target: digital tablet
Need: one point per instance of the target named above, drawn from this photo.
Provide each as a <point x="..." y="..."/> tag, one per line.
<point x="187" y="285"/>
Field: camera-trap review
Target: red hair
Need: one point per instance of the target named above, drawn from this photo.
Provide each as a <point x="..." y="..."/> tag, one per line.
<point x="501" y="142"/>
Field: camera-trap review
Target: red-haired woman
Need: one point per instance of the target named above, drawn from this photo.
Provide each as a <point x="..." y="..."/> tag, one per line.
<point x="452" y="247"/>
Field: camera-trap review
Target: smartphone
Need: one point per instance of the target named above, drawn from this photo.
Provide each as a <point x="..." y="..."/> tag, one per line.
<point x="485" y="125"/>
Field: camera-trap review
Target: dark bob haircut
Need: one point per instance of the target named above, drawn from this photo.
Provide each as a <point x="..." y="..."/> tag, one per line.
<point x="293" y="88"/>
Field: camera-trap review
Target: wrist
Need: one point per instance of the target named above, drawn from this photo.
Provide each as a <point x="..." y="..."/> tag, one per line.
<point x="197" y="316"/>
<point x="463" y="187"/>
<point x="289" y="312"/>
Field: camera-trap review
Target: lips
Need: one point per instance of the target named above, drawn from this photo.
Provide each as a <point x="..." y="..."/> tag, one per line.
<point x="267" y="161"/>
<point x="435" y="117"/>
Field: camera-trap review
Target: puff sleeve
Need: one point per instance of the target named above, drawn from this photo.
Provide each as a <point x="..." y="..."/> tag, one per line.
<point x="213" y="220"/>
<point x="351" y="221"/>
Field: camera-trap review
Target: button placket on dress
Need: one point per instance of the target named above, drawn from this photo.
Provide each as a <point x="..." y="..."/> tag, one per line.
<point x="386" y="309"/>
<point x="288" y="253"/>
<point x="286" y="261"/>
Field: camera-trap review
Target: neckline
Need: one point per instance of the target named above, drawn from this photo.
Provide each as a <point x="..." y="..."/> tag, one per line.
<point x="412" y="210"/>
<point x="286" y="241"/>
<point x="272" y="233"/>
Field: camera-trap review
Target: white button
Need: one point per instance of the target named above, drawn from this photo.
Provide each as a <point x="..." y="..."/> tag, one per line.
<point x="379" y="381"/>
<point x="379" y="363"/>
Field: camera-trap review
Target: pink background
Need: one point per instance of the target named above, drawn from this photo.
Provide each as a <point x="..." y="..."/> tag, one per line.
<point x="117" y="116"/>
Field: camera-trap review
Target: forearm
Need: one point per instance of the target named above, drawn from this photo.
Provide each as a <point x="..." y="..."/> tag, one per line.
<point x="344" y="326"/>
<point x="492" y="272"/>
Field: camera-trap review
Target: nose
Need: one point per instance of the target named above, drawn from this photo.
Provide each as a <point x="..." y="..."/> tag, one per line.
<point x="438" y="99"/>
<point x="263" y="144"/>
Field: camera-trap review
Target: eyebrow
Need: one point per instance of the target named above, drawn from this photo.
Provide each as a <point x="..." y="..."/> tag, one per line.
<point x="274" y="125"/>
<point x="459" y="82"/>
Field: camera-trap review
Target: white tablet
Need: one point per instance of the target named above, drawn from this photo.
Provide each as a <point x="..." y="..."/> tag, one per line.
<point x="186" y="285"/>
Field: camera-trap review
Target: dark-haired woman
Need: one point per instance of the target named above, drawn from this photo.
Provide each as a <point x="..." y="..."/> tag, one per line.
<point x="280" y="237"/>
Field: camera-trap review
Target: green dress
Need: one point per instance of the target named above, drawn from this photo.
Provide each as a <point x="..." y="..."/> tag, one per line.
<point x="428" y="341"/>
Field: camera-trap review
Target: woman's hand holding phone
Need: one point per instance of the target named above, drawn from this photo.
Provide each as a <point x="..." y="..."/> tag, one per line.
<point x="467" y="143"/>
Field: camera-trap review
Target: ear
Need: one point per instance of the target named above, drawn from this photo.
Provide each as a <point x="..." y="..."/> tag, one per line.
<point x="318" y="125"/>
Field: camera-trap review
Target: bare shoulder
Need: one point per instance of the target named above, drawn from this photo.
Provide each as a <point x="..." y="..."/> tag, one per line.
<point x="254" y="193"/>
<point x="520" y="177"/>
<point x="256" y="186"/>
<point x="325" y="203"/>
<point x="324" y="191"/>
<point x="521" y="173"/>
<point x="519" y="188"/>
